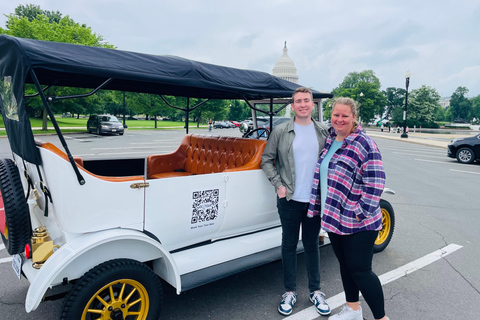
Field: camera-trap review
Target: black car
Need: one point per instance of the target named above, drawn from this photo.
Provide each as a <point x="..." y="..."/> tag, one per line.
<point x="104" y="123"/>
<point x="466" y="149"/>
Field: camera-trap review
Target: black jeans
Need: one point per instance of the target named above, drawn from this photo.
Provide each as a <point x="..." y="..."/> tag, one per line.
<point x="355" y="253"/>
<point x="292" y="215"/>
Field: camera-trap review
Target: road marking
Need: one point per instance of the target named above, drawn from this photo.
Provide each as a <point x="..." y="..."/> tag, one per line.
<point x="465" y="171"/>
<point x="443" y="162"/>
<point x="2" y="246"/>
<point x="5" y="260"/>
<point x="339" y="299"/>
<point x="418" y="155"/>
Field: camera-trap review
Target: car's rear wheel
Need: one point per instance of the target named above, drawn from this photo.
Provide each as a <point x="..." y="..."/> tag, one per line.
<point x="465" y="155"/>
<point x="117" y="289"/>
<point x="388" y="226"/>
<point x="15" y="227"/>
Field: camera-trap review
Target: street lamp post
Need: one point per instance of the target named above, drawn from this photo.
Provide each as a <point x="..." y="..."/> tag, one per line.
<point x="407" y="82"/>
<point x="359" y="117"/>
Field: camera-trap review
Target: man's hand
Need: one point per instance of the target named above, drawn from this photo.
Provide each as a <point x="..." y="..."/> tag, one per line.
<point x="282" y="192"/>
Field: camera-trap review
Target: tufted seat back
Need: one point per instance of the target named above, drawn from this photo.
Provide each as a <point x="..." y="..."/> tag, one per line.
<point x="200" y="154"/>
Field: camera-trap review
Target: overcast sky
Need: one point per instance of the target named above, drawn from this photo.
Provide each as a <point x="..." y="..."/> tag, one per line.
<point x="437" y="40"/>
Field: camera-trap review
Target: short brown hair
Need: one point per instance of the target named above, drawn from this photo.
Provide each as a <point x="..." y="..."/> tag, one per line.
<point x="302" y="89"/>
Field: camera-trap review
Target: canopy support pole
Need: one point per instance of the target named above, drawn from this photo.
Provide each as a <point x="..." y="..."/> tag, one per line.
<point x="187" y="109"/>
<point x="80" y="179"/>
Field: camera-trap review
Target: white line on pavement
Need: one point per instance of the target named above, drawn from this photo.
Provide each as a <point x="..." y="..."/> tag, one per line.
<point x="2" y="246"/>
<point x="4" y="260"/>
<point x="339" y="299"/>
<point x="464" y="171"/>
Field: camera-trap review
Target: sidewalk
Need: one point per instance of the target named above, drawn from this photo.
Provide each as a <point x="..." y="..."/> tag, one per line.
<point x="428" y="139"/>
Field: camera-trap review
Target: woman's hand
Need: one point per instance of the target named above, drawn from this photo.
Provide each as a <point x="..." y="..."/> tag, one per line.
<point x="281" y="192"/>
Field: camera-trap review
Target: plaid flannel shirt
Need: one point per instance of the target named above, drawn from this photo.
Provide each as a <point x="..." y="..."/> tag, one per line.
<point x="355" y="182"/>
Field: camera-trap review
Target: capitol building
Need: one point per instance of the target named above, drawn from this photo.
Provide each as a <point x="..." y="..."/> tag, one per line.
<point x="285" y="68"/>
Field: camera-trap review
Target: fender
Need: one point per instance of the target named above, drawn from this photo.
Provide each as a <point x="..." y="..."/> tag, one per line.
<point x="76" y="257"/>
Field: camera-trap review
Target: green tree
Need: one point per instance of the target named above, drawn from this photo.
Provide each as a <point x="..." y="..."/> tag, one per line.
<point x="31" y="22"/>
<point x="461" y="105"/>
<point x="239" y="110"/>
<point x="395" y="98"/>
<point x="440" y="114"/>
<point x="373" y="101"/>
<point x="422" y="105"/>
<point x="31" y="12"/>
<point x="476" y="109"/>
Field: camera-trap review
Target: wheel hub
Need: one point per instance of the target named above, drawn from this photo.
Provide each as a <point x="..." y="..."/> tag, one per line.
<point x="116" y="314"/>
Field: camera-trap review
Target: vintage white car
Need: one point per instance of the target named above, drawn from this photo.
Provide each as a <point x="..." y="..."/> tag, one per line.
<point x="199" y="214"/>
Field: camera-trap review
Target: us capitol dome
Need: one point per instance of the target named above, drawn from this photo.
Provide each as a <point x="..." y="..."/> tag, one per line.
<point x="285" y="68"/>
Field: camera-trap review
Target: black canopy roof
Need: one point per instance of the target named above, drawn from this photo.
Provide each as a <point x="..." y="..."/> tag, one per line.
<point x="63" y="64"/>
<point x="71" y="65"/>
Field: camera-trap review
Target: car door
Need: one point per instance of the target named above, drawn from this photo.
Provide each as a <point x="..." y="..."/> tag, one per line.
<point x="185" y="210"/>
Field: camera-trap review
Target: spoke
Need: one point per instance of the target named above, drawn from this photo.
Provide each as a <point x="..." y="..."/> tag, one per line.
<point x="131" y="294"/>
<point x="112" y="297"/>
<point x="120" y="296"/>
<point x="105" y="304"/>
<point x="134" y="302"/>
<point x="97" y="311"/>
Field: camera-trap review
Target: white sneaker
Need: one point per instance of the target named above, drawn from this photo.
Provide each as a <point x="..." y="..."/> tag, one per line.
<point x="348" y="313"/>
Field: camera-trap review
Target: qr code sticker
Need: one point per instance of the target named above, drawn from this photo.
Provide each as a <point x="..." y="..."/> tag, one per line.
<point x="205" y="206"/>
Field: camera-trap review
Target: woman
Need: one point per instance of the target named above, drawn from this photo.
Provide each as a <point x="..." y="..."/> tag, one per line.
<point x="349" y="179"/>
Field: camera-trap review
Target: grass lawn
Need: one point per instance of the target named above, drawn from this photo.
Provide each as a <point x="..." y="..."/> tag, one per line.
<point x="81" y="124"/>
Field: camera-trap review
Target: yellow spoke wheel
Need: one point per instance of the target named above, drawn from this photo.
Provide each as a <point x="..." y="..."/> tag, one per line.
<point x="120" y="289"/>
<point x="388" y="225"/>
<point x="122" y="299"/>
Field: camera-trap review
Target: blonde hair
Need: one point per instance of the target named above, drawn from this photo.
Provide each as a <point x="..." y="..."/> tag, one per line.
<point x="353" y="107"/>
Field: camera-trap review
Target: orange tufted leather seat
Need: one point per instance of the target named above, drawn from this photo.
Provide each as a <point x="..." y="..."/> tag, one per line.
<point x="200" y="154"/>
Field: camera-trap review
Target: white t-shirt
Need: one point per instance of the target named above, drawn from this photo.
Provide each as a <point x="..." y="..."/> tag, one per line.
<point x="305" y="156"/>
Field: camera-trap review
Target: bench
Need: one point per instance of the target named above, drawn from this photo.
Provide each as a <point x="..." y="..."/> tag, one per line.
<point x="201" y="154"/>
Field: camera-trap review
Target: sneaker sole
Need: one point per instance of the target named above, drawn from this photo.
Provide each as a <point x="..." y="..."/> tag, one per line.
<point x="285" y="313"/>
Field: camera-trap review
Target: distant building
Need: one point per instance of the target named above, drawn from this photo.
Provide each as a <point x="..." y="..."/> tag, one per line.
<point x="285" y="68"/>
<point x="444" y="103"/>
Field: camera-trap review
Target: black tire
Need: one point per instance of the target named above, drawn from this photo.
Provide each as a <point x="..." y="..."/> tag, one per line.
<point x="113" y="274"/>
<point x="15" y="226"/>
<point x="388" y="224"/>
<point x="98" y="131"/>
<point x="465" y="155"/>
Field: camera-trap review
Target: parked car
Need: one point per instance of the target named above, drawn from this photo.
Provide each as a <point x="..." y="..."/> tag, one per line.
<point x="276" y="122"/>
<point x="104" y="123"/>
<point x="221" y="125"/>
<point x="465" y="150"/>
<point x="236" y="123"/>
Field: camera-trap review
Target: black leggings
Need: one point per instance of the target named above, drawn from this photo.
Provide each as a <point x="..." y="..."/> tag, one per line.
<point x="355" y="253"/>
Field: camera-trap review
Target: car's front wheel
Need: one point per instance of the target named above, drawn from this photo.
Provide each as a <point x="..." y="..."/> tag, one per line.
<point x="117" y="289"/>
<point x="465" y="155"/>
<point x="388" y="226"/>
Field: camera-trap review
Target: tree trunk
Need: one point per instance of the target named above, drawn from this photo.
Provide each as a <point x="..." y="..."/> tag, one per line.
<point x="45" y="118"/>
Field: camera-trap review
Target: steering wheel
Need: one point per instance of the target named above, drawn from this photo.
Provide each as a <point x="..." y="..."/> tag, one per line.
<point x="261" y="133"/>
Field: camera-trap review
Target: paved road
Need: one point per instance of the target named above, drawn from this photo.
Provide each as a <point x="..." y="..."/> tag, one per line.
<point x="436" y="205"/>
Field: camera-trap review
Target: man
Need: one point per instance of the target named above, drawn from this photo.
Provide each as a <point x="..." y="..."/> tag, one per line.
<point x="289" y="163"/>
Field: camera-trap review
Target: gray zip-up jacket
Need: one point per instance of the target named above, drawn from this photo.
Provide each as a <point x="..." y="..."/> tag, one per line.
<point x="277" y="158"/>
